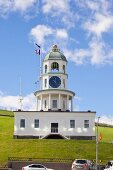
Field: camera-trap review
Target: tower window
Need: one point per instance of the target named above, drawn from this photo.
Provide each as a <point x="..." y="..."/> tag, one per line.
<point x="22" y="123"/>
<point x="36" y="123"/>
<point x="54" y="103"/>
<point x="64" y="68"/>
<point x="54" y="66"/>
<point x="45" y="103"/>
<point x="63" y="104"/>
<point x="86" y="123"/>
<point x="45" y="82"/>
<point x="72" y="123"/>
<point x="45" y="68"/>
<point x="64" y="82"/>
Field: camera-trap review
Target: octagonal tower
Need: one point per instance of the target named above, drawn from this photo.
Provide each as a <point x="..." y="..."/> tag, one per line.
<point x="54" y="95"/>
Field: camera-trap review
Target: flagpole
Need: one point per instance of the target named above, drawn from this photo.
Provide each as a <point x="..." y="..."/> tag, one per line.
<point x="97" y="144"/>
<point x="40" y="67"/>
<point x="40" y="55"/>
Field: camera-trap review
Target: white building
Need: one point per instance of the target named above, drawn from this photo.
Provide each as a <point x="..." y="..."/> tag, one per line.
<point x="54" y="117"/>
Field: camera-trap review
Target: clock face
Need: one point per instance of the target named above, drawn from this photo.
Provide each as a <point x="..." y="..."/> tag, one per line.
<point x="54" y="81"/>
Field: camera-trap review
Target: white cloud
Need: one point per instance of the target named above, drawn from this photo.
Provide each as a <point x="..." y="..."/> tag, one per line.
<point x="100" y="52"/>
<point x="55" y="6"/>
<point x="7" y="6"/>
<point x="12" y="102"/>
<point x="43" y="34"/>
<point x="79" y="56"/>
<point x="97" y="52"/>
<point x="98" y="18"/>
<point x="94" y="6"/>
<point x="61" y="33"/>
<point x="40" y="32"/>
<point x="61" y="9"/>
<point x="99" y="24"/>
<point x="105" y="119"/>
<point x="23" y="5"/>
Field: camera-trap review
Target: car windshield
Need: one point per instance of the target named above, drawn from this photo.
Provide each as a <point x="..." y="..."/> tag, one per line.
<point x="36" y="166"/>
<point x="81" y="161"/>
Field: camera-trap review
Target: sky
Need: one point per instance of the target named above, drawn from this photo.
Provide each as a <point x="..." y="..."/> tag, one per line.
<point x="82" y="29"/>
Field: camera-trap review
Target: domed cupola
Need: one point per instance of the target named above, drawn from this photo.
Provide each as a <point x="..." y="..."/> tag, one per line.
<point x="55" y="54"/>
<point x="54" y="94"/>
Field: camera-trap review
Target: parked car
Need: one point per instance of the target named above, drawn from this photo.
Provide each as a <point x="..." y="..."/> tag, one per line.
<point x="109" y="163"/>
<point x="82" y="164"/>
<point x="36" y="167"/>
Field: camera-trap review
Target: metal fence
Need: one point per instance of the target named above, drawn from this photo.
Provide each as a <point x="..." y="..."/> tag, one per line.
<point x="10" y="159"/>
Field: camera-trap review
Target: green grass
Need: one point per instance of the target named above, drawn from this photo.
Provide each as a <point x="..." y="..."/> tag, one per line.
<point x="66" y="149"/>
<point x="5" y="112"/>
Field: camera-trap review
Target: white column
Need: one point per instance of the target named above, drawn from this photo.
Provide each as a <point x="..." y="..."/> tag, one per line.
<point x="49" y="102"/>
<point x="67" y="102"/>
<point x="72" y="104"/>
<point x="37" y="104"/>
<point x="59" y="105"/>
<point x="41" y="102"/>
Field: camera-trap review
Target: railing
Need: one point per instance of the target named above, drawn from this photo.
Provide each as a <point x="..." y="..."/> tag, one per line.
<point x="39" y="159"/>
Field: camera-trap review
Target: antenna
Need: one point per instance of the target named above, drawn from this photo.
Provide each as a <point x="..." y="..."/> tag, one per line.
<point x="20" y="95"/>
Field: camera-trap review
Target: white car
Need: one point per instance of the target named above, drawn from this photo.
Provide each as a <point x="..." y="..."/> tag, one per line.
<point x="109" y="164"/>
<point x="36" y="167"/>
<point x="82" y="164"/>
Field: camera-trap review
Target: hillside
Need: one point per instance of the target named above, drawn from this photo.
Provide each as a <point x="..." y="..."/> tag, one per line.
<point x="67" y="149"/>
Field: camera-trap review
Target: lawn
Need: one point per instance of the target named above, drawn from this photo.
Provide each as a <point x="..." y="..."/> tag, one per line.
<point x="66" y="149"/>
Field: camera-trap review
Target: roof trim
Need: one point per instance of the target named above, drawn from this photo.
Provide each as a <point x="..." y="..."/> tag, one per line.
<point x="57" y="111"/>
<point x="46" y="90"/>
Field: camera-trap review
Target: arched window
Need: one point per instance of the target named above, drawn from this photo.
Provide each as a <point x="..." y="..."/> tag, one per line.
<point x="45" y="82"/>
<point x="64" y="82"/>
<point x="45" y="68"/>
<point x="45" y="103"/>
<point x="54" y="66"/>
<point x="63" y="104"/>
<point x="64" y="68"/>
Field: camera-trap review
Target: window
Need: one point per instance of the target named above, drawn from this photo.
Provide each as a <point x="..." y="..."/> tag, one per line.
<point x="54" y="103"/>
<point x="63" y="104"/>
<point x="45" y="103"/>
<point x="36" y="166"/>
<point x="36" y="123"/>
<point x="64" y="82"/>
<point x="45" y="68"/>
<point x="55" y="67"/>
<point x="22" y="123"/>
<point x="86" y="123"/>
<point x="72" y="123"/>
<point x="64" y="68"/>
<point x="45" y="82"/>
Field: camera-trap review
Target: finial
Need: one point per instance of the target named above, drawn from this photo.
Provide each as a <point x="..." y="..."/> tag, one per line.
<point x="55" y="48"/>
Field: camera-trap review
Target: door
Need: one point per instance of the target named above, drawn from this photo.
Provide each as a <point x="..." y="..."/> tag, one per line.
<point x="54" y="127"/>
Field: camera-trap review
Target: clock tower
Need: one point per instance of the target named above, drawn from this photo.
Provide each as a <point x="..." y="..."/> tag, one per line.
<point x="54" y="117"/>
<point x="54" y="95"/>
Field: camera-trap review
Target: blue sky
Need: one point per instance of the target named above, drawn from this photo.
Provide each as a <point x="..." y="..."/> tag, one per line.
<point x="82" y="29"/>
